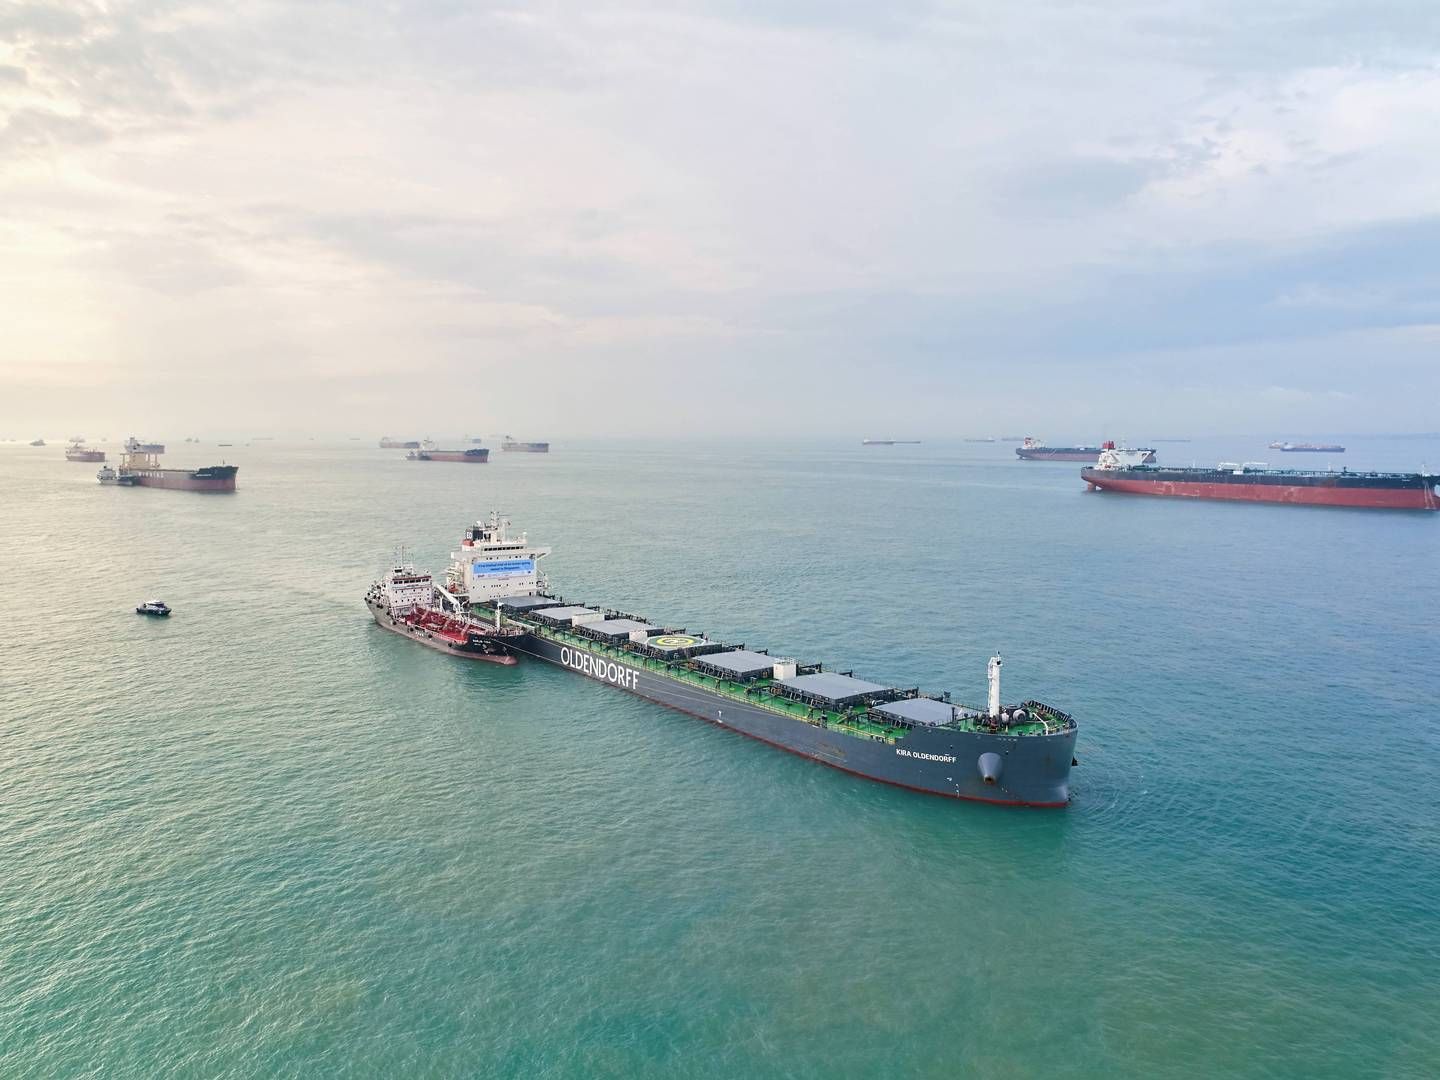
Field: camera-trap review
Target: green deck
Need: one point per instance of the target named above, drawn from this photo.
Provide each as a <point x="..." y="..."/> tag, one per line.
<point x="857" y="721"/>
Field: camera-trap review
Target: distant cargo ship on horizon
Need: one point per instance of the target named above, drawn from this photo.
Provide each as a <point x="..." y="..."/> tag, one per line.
<point x="510" y="443"/>
<point x="1307" y="448"/>
<point x="78" y="451"/>
<point x="1035" y="450"/>
<point x="475" y="455"/>
<point x="387" y="443"/>
<point x="889" y="442"/>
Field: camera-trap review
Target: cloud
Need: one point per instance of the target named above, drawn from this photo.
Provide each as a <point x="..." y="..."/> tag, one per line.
<point x="1045" y="207"/>
<point x="29" y="130"/>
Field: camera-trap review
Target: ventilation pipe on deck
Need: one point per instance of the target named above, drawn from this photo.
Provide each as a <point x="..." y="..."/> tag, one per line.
<point x="994" y="673"/>
<point x="498" y="606"/>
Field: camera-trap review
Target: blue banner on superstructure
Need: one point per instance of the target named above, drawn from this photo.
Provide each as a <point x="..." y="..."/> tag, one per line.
<point x="508" y="568"/>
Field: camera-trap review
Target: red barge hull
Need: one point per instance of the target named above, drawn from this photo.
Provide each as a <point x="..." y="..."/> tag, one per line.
<point x="434" y="630"/>
<point x="1335" y="492"/>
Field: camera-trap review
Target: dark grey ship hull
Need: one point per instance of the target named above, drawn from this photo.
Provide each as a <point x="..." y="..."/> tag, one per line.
<point x="1034" y="770"/>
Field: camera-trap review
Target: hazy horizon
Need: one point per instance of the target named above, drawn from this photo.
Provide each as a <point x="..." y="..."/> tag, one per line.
<point x="795" y="220"/>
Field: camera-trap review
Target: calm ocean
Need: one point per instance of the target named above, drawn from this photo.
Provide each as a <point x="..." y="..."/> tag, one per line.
<point x="266" y="838"/>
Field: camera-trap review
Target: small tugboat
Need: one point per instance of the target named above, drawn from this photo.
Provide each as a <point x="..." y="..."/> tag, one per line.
<point x="107" y="475"/>
<point x="153" y="607"/>
<point x="37" y="442"/>
<point x="409" y="602"/>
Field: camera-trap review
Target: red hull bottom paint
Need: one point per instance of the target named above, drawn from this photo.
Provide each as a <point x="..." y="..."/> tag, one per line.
<point x="1371" y="498"/>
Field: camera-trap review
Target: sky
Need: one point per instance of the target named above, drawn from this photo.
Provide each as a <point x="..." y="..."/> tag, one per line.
<point x="781" y="218"/>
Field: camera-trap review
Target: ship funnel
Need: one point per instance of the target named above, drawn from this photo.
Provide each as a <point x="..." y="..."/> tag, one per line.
<point x="994" y="673"/>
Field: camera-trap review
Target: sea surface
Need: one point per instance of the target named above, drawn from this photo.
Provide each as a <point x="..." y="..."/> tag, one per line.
<point x="266" y="838"/>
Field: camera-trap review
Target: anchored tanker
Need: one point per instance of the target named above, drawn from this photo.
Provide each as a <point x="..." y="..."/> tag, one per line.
<point x="1018" y="754"/>
<point x="1035" y="450"/>
<point x="405" y="602"/>
<point x="1254" y="482"/>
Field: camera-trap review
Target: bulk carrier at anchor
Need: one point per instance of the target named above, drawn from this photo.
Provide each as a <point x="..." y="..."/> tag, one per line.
<point x="1016" y="754"/>
<point x="140" y="467"/>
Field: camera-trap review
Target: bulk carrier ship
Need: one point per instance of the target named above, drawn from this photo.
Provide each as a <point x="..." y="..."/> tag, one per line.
<point x="1018" y="754"/>
<point x="1255" y="482"/>
<point x="1307" y="448"/>
<point x="513" y="445"/>
<point x="475" y="455"/>
<point x="140" y="467"/>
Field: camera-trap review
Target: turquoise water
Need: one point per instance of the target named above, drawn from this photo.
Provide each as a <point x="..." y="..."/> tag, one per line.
<point x="266" y="838"/>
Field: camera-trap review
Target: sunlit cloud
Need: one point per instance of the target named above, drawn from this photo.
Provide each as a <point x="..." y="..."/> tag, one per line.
<point x="1032" y="213"/>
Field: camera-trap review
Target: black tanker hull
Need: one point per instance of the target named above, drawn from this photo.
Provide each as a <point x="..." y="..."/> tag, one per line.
<point x="1034" y="769"/>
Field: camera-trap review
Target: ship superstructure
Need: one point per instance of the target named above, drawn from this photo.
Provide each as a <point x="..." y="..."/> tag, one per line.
<point x="1005" y="753"/>
<point x="492" y="565"/>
